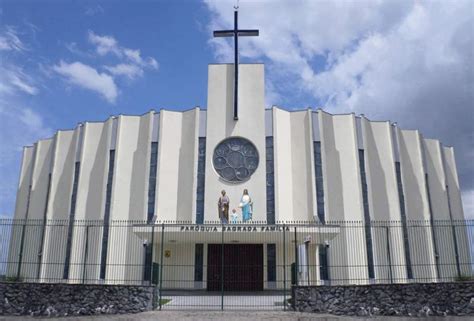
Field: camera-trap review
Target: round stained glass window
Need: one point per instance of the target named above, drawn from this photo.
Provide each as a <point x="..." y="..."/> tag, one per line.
<point x="235" y="159"/>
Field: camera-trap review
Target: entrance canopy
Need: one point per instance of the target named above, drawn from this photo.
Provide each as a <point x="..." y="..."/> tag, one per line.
<point x="236" y="233"/>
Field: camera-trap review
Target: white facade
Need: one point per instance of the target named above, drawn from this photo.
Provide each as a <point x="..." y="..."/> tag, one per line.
<point x="78" y="162"/>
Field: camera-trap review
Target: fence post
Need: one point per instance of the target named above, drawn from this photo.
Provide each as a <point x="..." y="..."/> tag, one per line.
<point x="150" y="268"/>
<point x="284" y="268"/>
<point x="296" y="258"/>
<point x="389" y="253"/>
<point x="161" y="261"/>
<point x="86" y="249"/>
<point x="152" y="265"/>
<point x="222" y="269"/>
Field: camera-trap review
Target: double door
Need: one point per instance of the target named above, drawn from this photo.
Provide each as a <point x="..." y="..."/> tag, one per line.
<point x="241" y="265"/>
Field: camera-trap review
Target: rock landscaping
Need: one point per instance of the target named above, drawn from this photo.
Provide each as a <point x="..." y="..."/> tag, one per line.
<point x="43" y="299"/>
<point x="415" y="299"/>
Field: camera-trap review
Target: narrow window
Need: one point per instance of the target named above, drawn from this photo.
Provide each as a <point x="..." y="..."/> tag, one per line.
<point x="108" y="195"/>
<point x="198" y="261"/>
<point x="201" y="174"/>
<point x="271" y="262"/>
<point x="318" y="172"/>
<point x="455" y="238"/>
<point x="323" y="262"/>
<point x="367" y="225"/>
<point x="151" y="207"/>
<point x="433" y="230"/>
<point x="23" y="231"/>
<point x="406" y="242"/>
<point x="152" y="181"/>
<point x="270" y="180"/>
<point x="67" y="260"/>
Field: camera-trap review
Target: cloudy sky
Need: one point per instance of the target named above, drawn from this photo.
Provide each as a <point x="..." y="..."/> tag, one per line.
<point x="63" y="62"/>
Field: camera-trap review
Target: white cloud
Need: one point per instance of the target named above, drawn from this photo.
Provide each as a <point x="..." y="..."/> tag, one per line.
<point x="31" y="119"/>
<point x="14" y="81"/>
<point x="19" y="126"/>
<point x="93" y="10"/>
<point x="131" y="65"/>
<point x="152" y="63"/>
<point x="74" y="49"/>
<point x="133" y="55"/>
<point x="128" y="70"/>
<point x="87" y="77"/>
<point x="19" y="81"/>
<point x="104" y="44"/>
<point x="408" y="61"/>
<point x="468" y="204"/>
<point x="9" y="40"/>
<point x="109" y="45"/>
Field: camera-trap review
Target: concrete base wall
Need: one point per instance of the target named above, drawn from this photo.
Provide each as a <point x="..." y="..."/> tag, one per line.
<point x="40" y="299"/>
<point x="417" y="299"/>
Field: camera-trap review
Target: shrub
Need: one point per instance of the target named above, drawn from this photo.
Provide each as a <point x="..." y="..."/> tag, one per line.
<point x="464" y="278"/>
<point x="13" y="279"/>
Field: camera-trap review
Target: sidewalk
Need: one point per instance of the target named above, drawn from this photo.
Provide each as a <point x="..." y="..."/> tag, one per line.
<point x="232" y="316"/>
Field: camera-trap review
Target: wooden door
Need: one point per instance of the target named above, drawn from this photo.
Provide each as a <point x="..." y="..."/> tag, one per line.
<point x="243" y="267"/>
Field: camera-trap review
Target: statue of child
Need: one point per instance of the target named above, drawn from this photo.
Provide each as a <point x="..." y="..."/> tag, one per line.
<point x="234" y="216"/>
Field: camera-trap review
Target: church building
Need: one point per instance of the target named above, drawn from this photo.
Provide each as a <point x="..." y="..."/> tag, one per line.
<point x="300" y="168"/>
<point x="171" y="166"/>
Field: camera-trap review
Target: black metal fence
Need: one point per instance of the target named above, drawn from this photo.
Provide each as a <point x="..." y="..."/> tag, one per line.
<point x="234" y="266"/>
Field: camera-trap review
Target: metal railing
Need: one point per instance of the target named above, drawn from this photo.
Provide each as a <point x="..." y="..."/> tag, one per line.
<point x="234" y="266"/>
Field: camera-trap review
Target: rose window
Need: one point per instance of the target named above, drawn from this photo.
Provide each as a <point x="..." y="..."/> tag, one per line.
<point x="235" y="159"/>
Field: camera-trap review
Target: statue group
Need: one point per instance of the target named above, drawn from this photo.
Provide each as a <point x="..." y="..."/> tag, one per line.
<point x="246" y="206"/>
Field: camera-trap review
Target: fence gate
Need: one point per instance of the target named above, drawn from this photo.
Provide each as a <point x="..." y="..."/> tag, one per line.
<point x="217" y="267"/>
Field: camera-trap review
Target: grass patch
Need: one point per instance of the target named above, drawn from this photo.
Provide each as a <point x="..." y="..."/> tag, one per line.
<point x="164" y="301"/>
<point x="282" y="303"/>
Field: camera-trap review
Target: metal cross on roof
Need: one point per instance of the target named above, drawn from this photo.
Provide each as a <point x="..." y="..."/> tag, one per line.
<point x="236" y="33"/>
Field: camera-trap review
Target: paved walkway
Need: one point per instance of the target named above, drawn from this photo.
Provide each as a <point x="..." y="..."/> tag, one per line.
<point x="231" y="302"/>
<point x="231" y="316"/>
